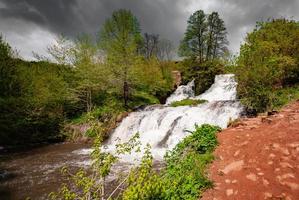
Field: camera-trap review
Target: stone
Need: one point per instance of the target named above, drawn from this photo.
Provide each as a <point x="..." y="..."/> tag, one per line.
<point x="234" y="166"/>
<point x="229" y="192"/>
<point x="291" y="185"/>
<point x="268" y="195"/>
<point x="285" y="165"/>
<point x="227" y="181"/>
<point x="234" y="181"/>
<point x="251" y="177"/>
<point x="293" y="145"/>
<point x="236" y="153"/>
<point x="265" y="182"/>
<point x="277" y="169"/>
<point x="288" y="175"/>
<point x="275" y="145"/>
<point x="271" y="155"/>
<point x="260" y="173"/>
<point x="270" y="162"/>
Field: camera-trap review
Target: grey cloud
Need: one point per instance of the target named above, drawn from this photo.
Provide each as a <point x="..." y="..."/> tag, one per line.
<point x="165" y="17"/>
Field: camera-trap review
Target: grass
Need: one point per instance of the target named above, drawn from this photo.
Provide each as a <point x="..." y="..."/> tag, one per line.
<point x="188" y="102"/>
<point x="285" y="95"/>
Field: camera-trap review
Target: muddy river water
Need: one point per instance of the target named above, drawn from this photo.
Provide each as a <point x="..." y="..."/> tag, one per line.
<point x="37" y="172"/>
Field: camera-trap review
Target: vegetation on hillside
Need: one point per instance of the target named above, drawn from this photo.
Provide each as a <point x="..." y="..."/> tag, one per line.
<point x="268" y="65"/>
<point x="89" y="82"/>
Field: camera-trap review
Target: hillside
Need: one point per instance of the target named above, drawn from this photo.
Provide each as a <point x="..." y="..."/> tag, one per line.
<point x="258" y="158"/>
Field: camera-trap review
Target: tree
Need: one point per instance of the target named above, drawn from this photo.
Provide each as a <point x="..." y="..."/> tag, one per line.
<point x="216" y="37"/>
<point x="120" y="38"/>
<point x="205" y="37"/>
<point x="193" y="43"/>
<point x="165" y="50"/>
<point x="268" y="62"/>
<point x="7" y="70"/>
<point x="150" y="45"/>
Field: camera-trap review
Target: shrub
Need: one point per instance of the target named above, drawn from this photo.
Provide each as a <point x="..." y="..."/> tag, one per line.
<point x="184" y="175"/>
<point x="203" y="73"/>
<point x="268" y="62"/>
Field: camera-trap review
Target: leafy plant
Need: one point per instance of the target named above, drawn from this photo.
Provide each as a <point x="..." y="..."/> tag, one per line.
<point x="268" y="62"/>
<point x="184" y="174"/>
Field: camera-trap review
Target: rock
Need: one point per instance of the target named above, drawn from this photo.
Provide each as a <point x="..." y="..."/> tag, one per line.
<point x="288" y="175"/>
<point x="260" y="173"/>
<point x="236" y="153"/>
<point x="293" y="186"/>
<point x="293" y="145"/>
<point x="270" y="162"/>
<point x="265" y="182"/>
<point x="234" y="181"/>
<point x="271" y="155"/>
<point x="277" y="169"/>
<point x="234" y="166"/>
<point x="285" y="165"/>
<point x="227" y="181"/>
<point x="251" y="177"/>
<point x="229" y="192"/>
<point x="268" y="195"/>
<point x="275" y="145"/>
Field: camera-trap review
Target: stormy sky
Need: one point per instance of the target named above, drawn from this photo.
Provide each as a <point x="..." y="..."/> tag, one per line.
<point x="32" y="25"/>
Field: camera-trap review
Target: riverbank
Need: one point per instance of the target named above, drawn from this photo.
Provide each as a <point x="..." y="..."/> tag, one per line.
<point x="258" y="158"/>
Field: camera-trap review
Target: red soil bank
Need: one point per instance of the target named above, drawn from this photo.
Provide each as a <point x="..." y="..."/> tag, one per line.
<point x="258" y="158"/>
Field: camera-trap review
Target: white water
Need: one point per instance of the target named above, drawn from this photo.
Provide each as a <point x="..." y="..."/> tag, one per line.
<point x="163" y="127"/>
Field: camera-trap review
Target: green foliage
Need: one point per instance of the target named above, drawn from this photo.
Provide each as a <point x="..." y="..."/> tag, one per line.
<point x="285" y="95"/>
<point x="188" y="102"/>
<point x="203" y="73"/>
<point x="92" y="185"/>
<point x="268" y="61"/>
<point x="184" y="175"/>
<point x="205" y="37"/>
<point x="34" y="109"/>
<point x="144" y="182"/>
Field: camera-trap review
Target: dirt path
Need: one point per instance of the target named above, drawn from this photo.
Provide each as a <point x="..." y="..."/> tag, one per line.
<point x="258" y="159"/>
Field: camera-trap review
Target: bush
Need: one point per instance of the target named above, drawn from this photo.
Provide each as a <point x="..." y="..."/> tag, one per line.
<point x="268" y="62"/>
<point x="203" y="73"/>
<point x="184" y="176"/>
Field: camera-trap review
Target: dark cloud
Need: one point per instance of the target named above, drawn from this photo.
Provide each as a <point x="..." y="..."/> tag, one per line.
<point x="165" y="17"/>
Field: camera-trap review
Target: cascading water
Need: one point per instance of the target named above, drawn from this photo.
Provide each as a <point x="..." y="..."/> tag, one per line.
<point x="163" y="126"/>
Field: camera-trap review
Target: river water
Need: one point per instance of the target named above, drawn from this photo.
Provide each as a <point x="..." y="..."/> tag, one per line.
<point x="36" y="172"/>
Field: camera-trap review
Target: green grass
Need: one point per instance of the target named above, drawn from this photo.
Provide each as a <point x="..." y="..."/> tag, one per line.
<point x="285" y="95"/>
<point x="188" y="102"/>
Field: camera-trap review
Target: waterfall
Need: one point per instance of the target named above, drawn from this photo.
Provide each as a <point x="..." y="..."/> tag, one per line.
<point x="163" y="126"/>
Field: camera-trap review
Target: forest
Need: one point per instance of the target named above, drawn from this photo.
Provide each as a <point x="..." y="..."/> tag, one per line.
<point x="98" y="81"/>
